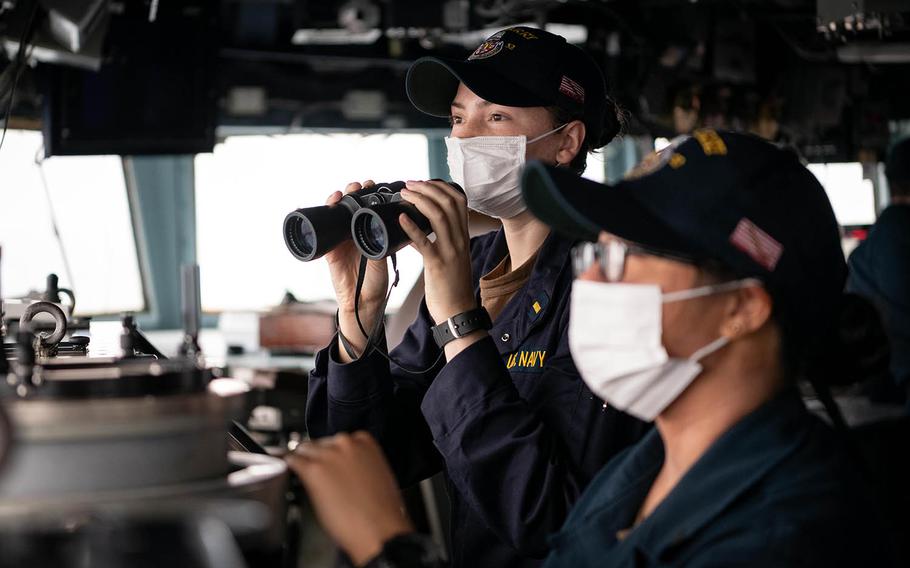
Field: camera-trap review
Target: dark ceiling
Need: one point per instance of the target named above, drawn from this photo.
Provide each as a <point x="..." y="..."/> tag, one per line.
<point x="825" y="75"/>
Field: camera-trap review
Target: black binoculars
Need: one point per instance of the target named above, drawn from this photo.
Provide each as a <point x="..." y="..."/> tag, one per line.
<point x="368" y="216"/>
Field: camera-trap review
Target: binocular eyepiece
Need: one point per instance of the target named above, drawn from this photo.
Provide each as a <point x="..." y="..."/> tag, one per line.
<point x="368" y="216"/>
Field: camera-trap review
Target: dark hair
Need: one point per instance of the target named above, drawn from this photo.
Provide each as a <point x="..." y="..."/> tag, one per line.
<point x="614" y="121"/>
<point x="853" y="349"/>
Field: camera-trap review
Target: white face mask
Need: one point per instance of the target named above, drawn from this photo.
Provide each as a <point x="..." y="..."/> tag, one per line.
<point x="615" y="339"/>
<point x="489" y="170"/>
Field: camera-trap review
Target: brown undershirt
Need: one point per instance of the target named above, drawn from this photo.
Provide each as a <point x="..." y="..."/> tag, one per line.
<point x="499" y="285"/>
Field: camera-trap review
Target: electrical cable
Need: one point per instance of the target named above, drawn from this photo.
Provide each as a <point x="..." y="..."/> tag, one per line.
<point x="18" y="65"/>
<point x="53" y="217"/>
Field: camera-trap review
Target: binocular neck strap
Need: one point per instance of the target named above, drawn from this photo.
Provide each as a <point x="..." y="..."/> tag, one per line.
<point x="361" y="276"/>
<point x="372" y="337"/>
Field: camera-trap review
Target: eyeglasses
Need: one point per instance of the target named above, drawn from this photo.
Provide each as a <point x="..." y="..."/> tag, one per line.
<point x="612" y="257"/>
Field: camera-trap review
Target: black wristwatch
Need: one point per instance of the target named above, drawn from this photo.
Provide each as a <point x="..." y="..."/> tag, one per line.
<point x="460" y="325"/>
<point x="410" y="550"/>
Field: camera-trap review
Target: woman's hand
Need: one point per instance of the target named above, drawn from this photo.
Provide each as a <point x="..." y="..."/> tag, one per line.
<point x="353" y="492"/>
<point x="447" y="261"/>
<point x="344" y="264"/>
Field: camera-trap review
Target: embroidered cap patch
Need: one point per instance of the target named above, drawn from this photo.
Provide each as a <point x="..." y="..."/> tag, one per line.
<point x="572" y="89"/>
<point x="759" y="245"/>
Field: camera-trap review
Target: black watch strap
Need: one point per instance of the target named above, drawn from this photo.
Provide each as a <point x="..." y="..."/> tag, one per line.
<point x="409" y="550"/>
<point x="460" y="325"/>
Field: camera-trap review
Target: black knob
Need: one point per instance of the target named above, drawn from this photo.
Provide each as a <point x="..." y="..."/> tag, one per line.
<point x="52" y="294"/>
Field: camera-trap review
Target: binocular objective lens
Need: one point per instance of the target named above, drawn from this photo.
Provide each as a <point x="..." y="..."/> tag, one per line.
<point x="374" y="235"/>
<point x="304" y="238"/>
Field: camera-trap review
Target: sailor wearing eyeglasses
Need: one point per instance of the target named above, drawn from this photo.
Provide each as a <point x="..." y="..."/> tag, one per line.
<point x="713" y="282"/>
<point x="708" y="285"/>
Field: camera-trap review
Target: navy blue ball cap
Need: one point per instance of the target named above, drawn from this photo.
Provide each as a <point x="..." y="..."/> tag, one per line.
<point x="729" y="197"/>
<point x="580" y="208"/>
<point x="432" y="83"/>
<point x="518" y="67"/>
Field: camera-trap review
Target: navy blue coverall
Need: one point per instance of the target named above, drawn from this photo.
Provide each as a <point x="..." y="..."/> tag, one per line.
<point x="508" y="420"/>
<point x="777" y="489"/>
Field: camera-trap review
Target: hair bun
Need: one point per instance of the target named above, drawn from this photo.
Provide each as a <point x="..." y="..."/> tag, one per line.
<point x="614" y="119"/>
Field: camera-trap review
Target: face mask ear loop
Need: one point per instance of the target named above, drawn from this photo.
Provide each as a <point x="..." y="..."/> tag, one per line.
<point x="710" y="348"/>
<point x="545" y="134"/>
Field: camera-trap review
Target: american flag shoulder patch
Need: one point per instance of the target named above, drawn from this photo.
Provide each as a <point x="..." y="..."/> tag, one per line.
<point x="759" y="245"/>
<point x="572" y="89"/>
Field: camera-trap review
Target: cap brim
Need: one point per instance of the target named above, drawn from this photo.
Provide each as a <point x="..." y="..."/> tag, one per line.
<point x="431" y="85"/>
<point x="580" y="208"/>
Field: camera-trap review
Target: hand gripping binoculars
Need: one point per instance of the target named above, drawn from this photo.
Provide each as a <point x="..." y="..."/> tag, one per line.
<point x="369" y="216"/>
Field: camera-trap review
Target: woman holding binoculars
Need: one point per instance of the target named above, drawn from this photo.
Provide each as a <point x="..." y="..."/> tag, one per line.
<point x="483" y="386"/>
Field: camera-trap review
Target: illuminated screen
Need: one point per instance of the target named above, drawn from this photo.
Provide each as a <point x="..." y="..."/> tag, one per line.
<point x="851" y="195"/>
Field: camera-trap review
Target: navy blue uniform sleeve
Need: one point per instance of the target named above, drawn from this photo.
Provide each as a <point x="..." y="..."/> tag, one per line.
<point x="498" y="452"/>
<point x="512" y="469"/>
<point x="383" y="398"/>
<point x="372" y="394"/>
